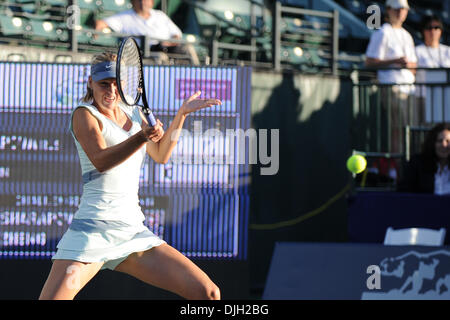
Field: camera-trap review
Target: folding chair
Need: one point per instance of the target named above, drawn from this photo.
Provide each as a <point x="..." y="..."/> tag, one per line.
<point x="415" y="236"/>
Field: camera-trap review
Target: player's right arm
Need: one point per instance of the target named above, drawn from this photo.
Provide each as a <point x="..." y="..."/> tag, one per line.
<point x="379" y="63"/>
<point x="87" y="130"/>
<point x="377" y="51"/>
<point x="101" y="25"/>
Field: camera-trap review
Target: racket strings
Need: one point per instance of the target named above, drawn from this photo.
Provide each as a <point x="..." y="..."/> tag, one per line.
<point x="130" y="72"/>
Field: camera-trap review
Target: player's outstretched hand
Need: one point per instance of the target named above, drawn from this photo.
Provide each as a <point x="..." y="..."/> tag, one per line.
<point x="193" y="103"/>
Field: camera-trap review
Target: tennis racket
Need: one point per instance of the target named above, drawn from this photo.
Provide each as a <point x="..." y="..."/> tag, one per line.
<point x="130" y="77"/>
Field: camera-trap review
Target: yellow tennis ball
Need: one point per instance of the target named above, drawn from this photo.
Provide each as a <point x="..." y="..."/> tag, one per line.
<point x="356" y="163"/>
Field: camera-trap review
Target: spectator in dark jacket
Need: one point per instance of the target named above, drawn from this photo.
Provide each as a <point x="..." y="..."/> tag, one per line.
<point x="429" y="171"/>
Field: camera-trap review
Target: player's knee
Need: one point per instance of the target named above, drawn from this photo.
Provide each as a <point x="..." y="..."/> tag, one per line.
<point x="205" y="291"/>
<point x="215" y="293"/>
<point x="212" y="292"/>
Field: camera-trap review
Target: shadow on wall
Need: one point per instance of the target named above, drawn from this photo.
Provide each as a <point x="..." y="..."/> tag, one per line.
<point x="313" y="115"/>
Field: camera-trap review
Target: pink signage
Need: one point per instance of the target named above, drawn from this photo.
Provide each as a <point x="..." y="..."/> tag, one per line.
<point x="219" y="89"/>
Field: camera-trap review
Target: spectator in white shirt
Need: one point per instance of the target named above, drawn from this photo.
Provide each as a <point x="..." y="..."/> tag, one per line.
<point x="433" y="54"/>
<point x="143" y="20"/>
<point x="393" y="47"/>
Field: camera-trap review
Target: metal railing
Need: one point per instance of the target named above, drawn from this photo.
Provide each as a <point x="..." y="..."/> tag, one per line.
<point x="299" y="13"/>
<point x="387" y="116"/>
<point x="250" y="46"/>
<point x="414" y="139"/>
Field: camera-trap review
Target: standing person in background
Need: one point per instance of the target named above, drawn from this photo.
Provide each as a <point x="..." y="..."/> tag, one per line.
<point x="393" y="47"/>
<point x="429" y="171"/>
<point x="433" y="54"/>
<point x="143" y="20"/>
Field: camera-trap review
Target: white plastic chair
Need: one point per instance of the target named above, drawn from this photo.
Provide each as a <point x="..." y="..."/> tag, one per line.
<point x="415" y="236"/>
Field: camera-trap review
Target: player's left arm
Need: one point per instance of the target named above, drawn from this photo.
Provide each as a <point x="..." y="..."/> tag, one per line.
<point x="161" y="150"/>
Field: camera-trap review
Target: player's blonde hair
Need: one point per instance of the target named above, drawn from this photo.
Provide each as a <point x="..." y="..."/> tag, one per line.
<point x="98" y="58"/>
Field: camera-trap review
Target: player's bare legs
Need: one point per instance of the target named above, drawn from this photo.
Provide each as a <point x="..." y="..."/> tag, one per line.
<point x="67" y="278"/>
<point x="166" y="268"/>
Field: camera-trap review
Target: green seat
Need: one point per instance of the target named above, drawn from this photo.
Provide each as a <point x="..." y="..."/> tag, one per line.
<point x="288" y="55"/>
<point x="42" y="29"/>
<point x="25" y="6"/>
<point x="57" y="3"/>
<point x="173" y="6"/>
<point x="205" y="18"/>
<point x="265" y="47"/>
<point x="93" y="5"/>
<point x="116" y="5"/>
<point x="87" y="20"/>
<point x="234" y="32"/>
<point x="104" y="40"/>
<point x="48" y="30"/>
<point x="29" y="7"/>
<point x="315" y="58"/>
<point x="62" y="32"/>
<point x="242" y="21"/>
<point x="289" y="24"/>
<point x="22" y="2"/>
<point x="10" y="26"/>
<point x="84" y="37"/>
<point x="308" y="61"/>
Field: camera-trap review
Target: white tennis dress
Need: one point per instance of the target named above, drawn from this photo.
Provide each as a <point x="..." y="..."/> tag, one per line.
<point x="108" y="225"/>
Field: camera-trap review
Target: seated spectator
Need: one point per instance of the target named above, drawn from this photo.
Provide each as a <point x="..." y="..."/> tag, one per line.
<point x="433" y="54"/>
<point x="143" y="20"/>
<point x="429" y="171"/>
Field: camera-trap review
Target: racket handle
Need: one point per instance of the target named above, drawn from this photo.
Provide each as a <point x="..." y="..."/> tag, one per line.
<point x="150" y="118"/>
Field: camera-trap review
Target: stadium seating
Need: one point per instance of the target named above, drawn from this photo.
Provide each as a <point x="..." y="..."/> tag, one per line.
<point x="89" y="4"/>
<point x="42" y="29"/>
<point x="12" y="25"/>
<point x="57" y="3"/>
<point x="304" y="39"/>
<point x="115" y="5"/>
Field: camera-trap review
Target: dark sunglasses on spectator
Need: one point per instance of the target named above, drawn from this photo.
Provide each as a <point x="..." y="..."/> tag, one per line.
<point x="433" y="27"/>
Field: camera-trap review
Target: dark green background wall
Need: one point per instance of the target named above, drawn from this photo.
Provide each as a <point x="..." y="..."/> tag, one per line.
<point x="313" y="114"/>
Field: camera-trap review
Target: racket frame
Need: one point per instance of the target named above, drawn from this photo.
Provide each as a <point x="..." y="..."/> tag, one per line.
<point x="141" y="87"/>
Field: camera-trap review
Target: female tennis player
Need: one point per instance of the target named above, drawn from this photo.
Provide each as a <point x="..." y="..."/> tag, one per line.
<point x="107" y="230"/>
